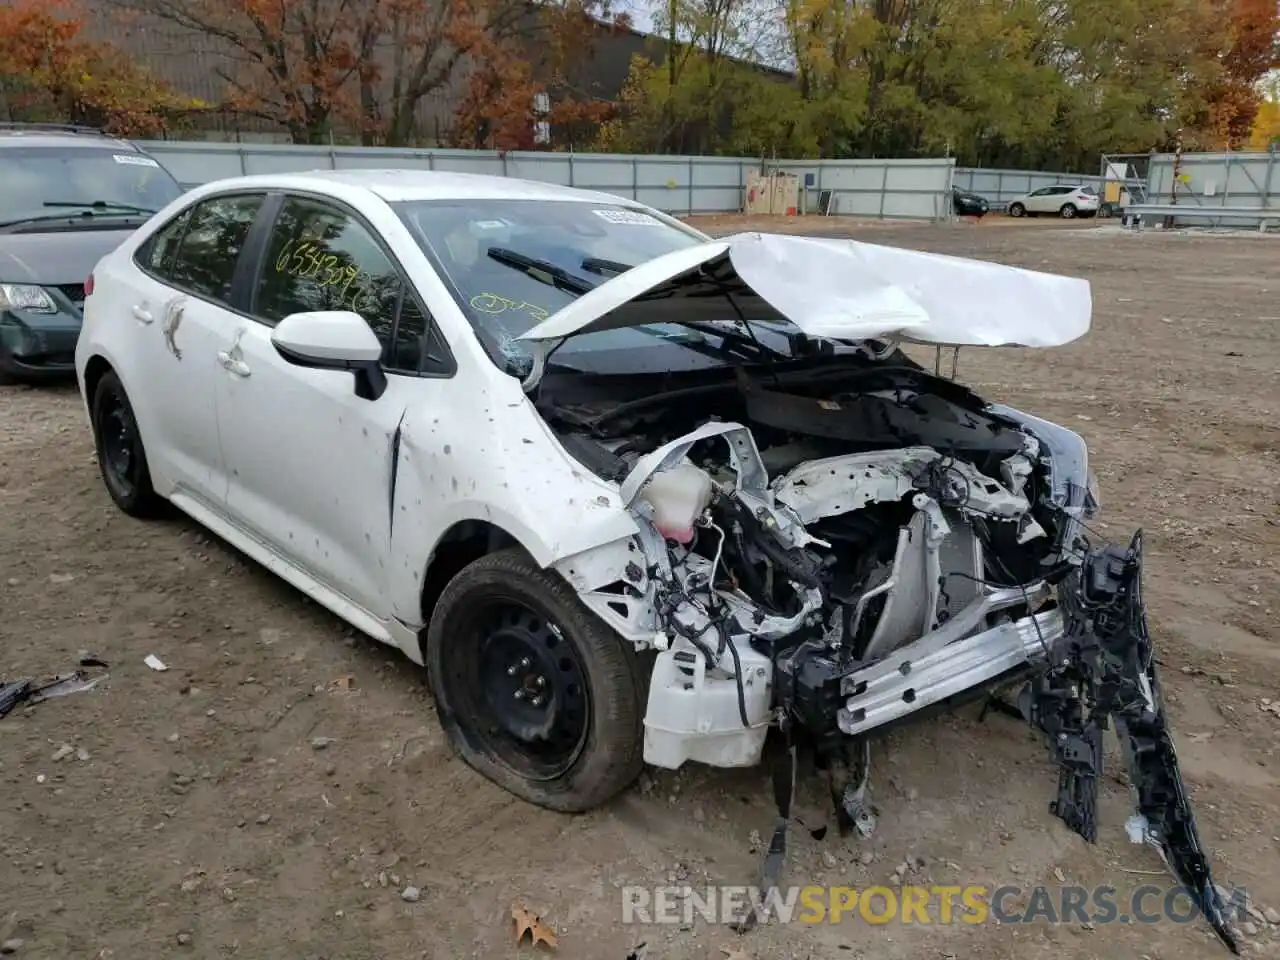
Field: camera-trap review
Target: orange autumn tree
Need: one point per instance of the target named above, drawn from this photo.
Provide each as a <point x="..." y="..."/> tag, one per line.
<point x="551" y="53"/>
<point x="1252" y="51"/>
<point x="367" y="66"/>
<point x="294" y="64"/>
<point x="49" y="71"/>
<point x="1266" y="125"/>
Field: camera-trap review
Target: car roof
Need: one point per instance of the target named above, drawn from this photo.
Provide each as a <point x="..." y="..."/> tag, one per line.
<point x="37" y="136"/>
<point x="395" y="185"/>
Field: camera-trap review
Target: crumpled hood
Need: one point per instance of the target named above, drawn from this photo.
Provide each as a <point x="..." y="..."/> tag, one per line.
<point x="56" y="258"/>
<point x="839" y="290"/>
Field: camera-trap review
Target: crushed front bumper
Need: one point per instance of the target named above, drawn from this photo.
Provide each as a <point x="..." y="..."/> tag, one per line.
<point x="1104" y="669"/>
<point x="1085" y="646"/>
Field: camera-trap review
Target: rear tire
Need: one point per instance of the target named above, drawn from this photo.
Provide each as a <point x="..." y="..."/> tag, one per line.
<point x="534" y="692"/>
<point x="122" y="459"/>
<point x="1068" y="211"/>
<point x="1016" y="210"/>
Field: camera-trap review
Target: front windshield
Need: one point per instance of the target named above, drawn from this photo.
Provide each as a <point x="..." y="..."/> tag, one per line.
<point x="45" y="181"/>
<point x="513" y="263"/>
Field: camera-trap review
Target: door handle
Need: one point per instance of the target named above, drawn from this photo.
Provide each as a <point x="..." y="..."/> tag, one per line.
<point x="233" y="364"/>
<point x="142" y="314"/>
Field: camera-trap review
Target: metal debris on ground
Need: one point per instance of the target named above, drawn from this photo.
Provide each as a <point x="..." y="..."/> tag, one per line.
<point x="30" y="691"/>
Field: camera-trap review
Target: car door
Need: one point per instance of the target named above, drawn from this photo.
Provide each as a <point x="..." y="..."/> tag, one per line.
<point x="179" y="305"/>
<point x="310" y="464"/>
<point x="1052" y="199"/>
<point x="1034" y="201"/>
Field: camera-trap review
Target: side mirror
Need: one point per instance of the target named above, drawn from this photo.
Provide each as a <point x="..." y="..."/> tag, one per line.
<point x="333" y="340"/>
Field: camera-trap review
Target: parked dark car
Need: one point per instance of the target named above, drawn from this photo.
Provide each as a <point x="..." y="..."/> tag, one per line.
<point x="68" y="196"/>
<point x="967" y="204"/>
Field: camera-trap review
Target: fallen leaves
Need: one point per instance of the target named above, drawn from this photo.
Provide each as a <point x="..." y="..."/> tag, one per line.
<point x="526" y="921"/>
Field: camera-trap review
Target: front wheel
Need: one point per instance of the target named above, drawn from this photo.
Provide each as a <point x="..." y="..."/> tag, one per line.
<point x="533" y="691"/>
<point x="1068" y="211"/>
<point x="121" y="456"/>
<point x="1016" y="210"/>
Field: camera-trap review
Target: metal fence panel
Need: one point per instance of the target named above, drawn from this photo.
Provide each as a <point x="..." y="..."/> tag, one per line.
<point x="1003" y="186"/>
<point x="913" y="189"/>
<point x="1218" y="180"/>
<point x="898" y="189"/>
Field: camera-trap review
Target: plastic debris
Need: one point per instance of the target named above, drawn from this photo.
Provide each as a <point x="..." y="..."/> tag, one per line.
<point x="29" y="691"/>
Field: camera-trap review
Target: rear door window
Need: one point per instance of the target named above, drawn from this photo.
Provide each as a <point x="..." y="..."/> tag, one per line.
<point x="205" y="260"/>
<point x="156" y="255"/>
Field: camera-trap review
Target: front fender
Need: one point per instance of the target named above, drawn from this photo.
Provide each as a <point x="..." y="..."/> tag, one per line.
<point x="495" y="462"/>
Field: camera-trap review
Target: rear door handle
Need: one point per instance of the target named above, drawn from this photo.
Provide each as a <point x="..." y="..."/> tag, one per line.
<point x="143" y="314"/>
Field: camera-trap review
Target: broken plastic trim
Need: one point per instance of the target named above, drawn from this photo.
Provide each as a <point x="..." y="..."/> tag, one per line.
<point x="1106" y="668"/>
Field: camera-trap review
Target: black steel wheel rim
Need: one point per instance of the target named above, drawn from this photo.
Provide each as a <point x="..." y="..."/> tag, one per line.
<point x="120" y="447"/>
<point x="523" y="689"/>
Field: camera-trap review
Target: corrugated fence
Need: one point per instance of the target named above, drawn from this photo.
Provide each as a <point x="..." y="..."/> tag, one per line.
<point x="906" y="189"/>
<point x="1218" y="180"/>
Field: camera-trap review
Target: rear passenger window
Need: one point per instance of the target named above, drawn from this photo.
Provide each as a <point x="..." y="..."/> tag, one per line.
<point x="205" y="262"/>
<point x="156" y="255"/>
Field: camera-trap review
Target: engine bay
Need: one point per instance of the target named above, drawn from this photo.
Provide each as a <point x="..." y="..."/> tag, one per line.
<point x="848" y="452"/>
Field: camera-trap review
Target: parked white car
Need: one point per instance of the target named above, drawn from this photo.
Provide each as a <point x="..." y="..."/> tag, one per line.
<point x="1061" y="200"/>
<point x="630" y="493"/>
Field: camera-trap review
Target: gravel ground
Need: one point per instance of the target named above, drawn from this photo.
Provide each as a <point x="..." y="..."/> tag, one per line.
<point x="276" y="790"/>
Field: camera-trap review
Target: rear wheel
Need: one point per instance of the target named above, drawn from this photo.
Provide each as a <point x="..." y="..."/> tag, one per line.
<point x="121" y="457"/>
<point x="1068" y="211"/>
<point x="532" y="690"/>
<point x="1016" y="210"/>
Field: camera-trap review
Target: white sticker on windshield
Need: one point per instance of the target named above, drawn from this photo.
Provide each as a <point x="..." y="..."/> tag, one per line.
<point x="134" y="159"/>
<point x="632" y="218"/>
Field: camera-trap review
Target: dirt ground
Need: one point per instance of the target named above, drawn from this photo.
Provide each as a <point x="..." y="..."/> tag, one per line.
<point x="198" y="815"/>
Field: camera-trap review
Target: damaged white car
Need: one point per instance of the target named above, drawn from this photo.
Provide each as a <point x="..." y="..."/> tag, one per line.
<point x="632" y="494"/>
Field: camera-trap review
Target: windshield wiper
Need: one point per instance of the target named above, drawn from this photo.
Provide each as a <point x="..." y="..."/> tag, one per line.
<point x="105" y="205"/>
<point x="602" y="266"/>
<point x="86" y="211"/>
<point x="740" y="340"/>
<point x="541" y="270"/>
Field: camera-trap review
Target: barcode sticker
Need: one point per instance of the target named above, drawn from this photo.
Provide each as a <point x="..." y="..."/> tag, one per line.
<point x="134" y="159"/>
<point x="632" y="218"/>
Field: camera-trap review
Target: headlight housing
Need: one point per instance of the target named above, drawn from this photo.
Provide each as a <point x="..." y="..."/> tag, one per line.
<point x="26" y="297"/>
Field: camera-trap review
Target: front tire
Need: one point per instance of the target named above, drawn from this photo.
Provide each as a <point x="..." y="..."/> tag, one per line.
<point x="1016" y="210"/>
<point x="533" y="691"/>
<point x="122" y="459"/>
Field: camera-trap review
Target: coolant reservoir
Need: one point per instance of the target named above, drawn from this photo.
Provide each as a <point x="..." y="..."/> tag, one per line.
<point x="678" y="495"/>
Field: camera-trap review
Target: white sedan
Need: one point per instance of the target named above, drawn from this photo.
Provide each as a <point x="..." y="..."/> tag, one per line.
<point x="1061" y="200"/>
<point x="630" y="493"/>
